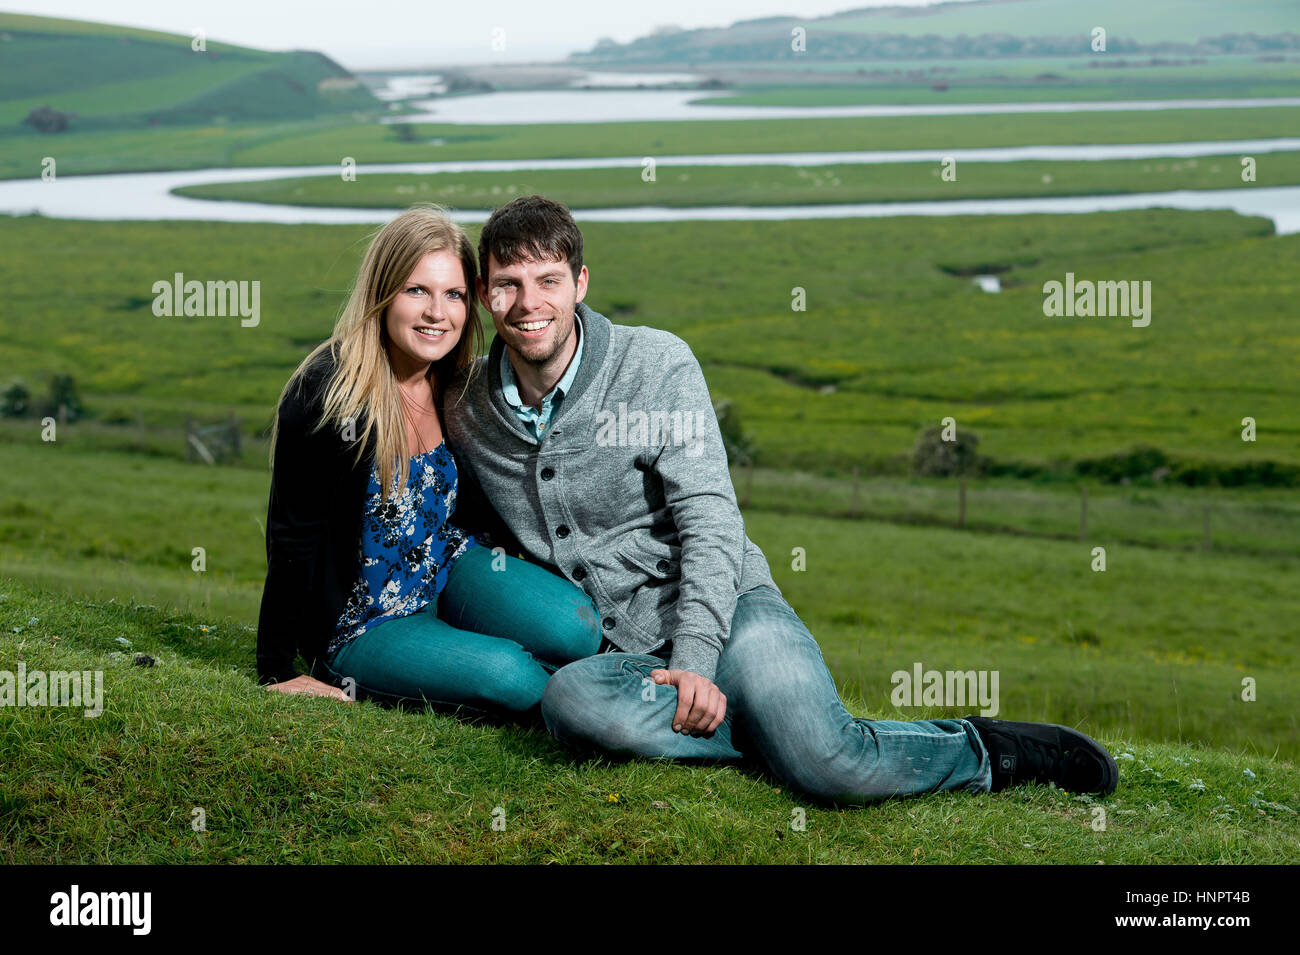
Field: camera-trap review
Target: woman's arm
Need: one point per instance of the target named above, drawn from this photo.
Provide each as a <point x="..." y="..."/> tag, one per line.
<point x="297" y="531"/>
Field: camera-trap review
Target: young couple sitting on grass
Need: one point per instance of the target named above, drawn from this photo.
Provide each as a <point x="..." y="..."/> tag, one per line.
<point x="637" y="618"/>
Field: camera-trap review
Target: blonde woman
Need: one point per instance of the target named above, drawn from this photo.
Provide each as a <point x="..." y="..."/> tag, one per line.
<point x="367" y="577"/>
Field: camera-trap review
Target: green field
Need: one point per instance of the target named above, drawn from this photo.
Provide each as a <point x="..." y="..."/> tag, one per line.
<point x="1155" y="647"/>
<point x="1016" y="79"/>
<point x="685" y="186"/>
<point x="893" y="338"/>
<point x="326" y="142"/>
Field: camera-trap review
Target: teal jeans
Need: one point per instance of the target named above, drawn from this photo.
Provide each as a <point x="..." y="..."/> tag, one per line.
<point x="500" y="628"/>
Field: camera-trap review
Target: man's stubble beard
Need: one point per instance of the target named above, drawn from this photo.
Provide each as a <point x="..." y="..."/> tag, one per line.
<point x="560" y="345"/>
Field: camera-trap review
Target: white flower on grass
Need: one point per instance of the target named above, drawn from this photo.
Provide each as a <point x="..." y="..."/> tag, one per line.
<point x="1196" y="784"/>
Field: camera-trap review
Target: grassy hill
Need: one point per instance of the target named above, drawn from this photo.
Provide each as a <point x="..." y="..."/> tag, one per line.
<point x="988" y="28"/>
<point x="296" y="779"/>
<point x="1154" y="21"/>
<point x="115" y="77"/>
<point x="987" y="51"/>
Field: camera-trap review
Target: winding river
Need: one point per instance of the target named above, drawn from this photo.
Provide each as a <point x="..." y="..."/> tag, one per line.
<point x="148" y="196"/>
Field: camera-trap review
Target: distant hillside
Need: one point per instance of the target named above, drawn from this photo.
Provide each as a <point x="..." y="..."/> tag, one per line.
<point x="99" y="76"/>
<point x="986" y="28"/>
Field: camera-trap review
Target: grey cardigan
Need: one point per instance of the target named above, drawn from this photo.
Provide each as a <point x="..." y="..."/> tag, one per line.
<point x="628" y="495"/>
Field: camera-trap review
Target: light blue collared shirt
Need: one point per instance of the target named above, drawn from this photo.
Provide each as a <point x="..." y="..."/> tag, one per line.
<point x="535" y="420"/>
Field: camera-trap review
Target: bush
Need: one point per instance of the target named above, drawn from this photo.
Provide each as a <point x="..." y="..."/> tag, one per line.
<point x="47" y="120"/>
<point x="63" y="398"/>
<point x="17" y="401"/>
<point x="935" y="457"/>
<point x="1137" y="462"/>
<point x="738" y="442"/>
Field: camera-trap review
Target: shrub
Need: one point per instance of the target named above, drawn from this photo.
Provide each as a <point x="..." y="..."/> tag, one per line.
<point x="63" y="395"/>
<point x="935" y="457"/>
<point x="16" y="402"/>
<point x="738" y="442"/>
<point x="47" y="120"/>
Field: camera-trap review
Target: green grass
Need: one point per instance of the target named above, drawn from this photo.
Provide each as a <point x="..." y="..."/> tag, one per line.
<point x="938" y="90"/>
<point x="892" y="341"/>
<point x="1155" y="646"/>
<point x="1259" y="521"/>
<point x="698" y="137"/>
<point x="300" y="780"/>
<point x="141" y="150"/>
<point x="326" y="141"/>
<point x="1084" y="78"/>
<point x="685" y="186"/>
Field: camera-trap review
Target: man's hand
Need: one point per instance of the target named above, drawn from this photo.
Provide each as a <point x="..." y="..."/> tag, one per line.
<point x="309" y="685"/>
<point x="701" y="706"/>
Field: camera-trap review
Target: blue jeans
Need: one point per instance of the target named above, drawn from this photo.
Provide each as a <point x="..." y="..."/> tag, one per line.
<point x="782" y="707"/>
<point x="499" y="629"/>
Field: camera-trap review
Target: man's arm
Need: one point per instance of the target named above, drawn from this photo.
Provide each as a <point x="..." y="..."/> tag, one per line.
<point x="698" y="490"/>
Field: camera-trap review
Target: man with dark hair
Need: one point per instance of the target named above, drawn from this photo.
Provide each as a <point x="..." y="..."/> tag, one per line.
<point x="599" y="450"/>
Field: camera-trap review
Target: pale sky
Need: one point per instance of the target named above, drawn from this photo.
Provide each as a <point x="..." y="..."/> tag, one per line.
<point x="379" y="34"/>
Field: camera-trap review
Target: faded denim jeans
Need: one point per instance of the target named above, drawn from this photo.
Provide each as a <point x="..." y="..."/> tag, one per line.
<point x="782" y="709"/>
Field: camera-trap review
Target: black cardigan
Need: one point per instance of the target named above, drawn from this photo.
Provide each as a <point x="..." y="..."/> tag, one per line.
<point x="313" y="529"/>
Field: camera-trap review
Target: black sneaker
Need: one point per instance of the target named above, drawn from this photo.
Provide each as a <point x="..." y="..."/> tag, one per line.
<point x="1046" y="753"/>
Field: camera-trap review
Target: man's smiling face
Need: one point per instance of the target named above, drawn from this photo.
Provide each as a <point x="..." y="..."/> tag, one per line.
<point x="532" y="304"/>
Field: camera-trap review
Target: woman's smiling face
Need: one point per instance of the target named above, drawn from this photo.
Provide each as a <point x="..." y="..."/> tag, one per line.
<point x="425" y="320"/>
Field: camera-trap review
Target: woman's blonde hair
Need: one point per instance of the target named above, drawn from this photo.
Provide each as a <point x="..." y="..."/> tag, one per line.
<point x="363" y="386"/>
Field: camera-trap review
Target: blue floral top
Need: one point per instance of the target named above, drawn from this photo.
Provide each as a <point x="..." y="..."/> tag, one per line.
<point x="407" y="546"/>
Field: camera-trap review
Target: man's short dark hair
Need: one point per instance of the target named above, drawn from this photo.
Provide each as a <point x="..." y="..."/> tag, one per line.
<point x="530" y="227"/>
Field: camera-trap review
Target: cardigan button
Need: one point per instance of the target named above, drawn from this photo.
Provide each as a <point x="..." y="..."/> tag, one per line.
<point x="548" y="473"/>
<point x="579" y="573"/>
<point x="663" y="566"/>
<point x="608" y="623"/>
<point x="562" y="531"/>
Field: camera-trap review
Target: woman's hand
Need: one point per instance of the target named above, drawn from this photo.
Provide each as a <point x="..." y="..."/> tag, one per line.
<point x="311" y="686"/>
